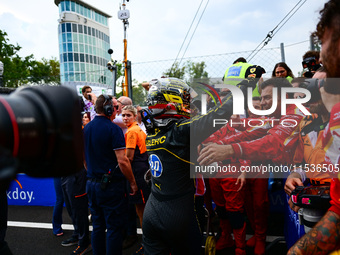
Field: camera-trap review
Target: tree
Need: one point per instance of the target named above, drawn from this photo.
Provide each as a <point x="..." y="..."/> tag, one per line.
<point x="19" y="71"/>
<point x="176" y="71"/>
<point x="45" y="71"/>
<point x="139" y="95"/>
<point x="196" y="70"/>
<point x="188" y="71"/>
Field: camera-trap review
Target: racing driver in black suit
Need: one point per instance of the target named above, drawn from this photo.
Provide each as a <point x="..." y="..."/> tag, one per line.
<point x="169" y="222"/>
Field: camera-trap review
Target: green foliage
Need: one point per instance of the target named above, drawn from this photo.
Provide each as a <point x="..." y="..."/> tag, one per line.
<point x="19" y="71"/>
<point x="190" y="70"/>
<point x="176" y="71"/>
<point x="139" y="95"/>
<point x="196" y="70"/>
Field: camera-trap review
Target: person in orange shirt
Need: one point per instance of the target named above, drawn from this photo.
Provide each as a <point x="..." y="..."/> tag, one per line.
<point x="136" y="153"/>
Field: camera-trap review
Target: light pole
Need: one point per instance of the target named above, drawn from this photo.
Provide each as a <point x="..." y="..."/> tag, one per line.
<point x="1" y="72"/>
<point x="124" y="15"/>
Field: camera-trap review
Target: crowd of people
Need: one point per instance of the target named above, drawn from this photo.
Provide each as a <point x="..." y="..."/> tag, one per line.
<point x="144" y="169"/>
<point x="168" y="209"/>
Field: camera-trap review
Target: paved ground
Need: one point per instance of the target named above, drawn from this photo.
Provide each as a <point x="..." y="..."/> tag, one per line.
<point x="30" y="233"/>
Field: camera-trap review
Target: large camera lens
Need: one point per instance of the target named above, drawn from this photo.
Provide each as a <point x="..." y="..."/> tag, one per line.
<point x="41" y="127"/>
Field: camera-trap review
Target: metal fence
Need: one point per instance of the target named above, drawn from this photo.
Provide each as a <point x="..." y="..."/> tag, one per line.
<point x="216" y="65"/>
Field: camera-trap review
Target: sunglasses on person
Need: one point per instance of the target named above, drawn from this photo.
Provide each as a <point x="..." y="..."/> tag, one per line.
<point x="115" y="107"/>
<point x="279" y="72"/>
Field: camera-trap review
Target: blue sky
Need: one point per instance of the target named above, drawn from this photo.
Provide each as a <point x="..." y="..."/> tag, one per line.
<point x="157" y="28"/>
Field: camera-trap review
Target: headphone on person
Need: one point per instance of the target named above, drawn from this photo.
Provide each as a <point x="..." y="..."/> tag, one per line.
<point x="108" y="109"/>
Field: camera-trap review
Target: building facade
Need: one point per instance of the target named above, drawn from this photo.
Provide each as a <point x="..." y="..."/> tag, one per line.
<point x="84" y="40"/>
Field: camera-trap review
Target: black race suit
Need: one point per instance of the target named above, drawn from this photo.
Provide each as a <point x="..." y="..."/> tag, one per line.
<point x="169" y="222"/>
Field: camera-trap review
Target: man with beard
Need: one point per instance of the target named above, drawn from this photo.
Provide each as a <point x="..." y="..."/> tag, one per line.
<point x="309" y="150"/>
<point x="324" y="237"/>
<point x="277" y="145"/>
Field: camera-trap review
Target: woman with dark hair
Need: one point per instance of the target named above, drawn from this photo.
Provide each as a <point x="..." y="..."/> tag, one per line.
<point x="281" y="70"/>
<point x="86" y="118"/>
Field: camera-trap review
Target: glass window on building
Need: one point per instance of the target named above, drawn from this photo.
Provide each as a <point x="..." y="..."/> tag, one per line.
<point x="85" y="38"/>
<point x="76" y="59"/>
<point x="75" y="47"/>
<point x="86" y="49"/>
<point x="70" y="67"/>
<point x="71" y="76"/>
<point x="76" y="67"/>
<point x="73" y="6"/>
<point x="67" y="5"/>
<point x="70" y="57"/>
<point x="77" y="8"/>
<point x="65" y="67"/>
<point x="82" y="57"/>
<point x="64" y="37"/>
<point x="81" y="47"/>
<point x="75" y="37"/>
<point x="81" y="38"/>
<point x="74" y="28"/>
<point x="77" y="77"/>
<point x="64" y="47"/>
<point x="80" y="28"/>
<point x="82" y="75"/>
<point x="68" y="27"/>
<point x="66" y="77"/>
<point x="89" y="30"/>
<point x="85" y="29"/>
<point x="69" y="37"/>
<point x="63" y="27"/>
<point x="69" y="47"/>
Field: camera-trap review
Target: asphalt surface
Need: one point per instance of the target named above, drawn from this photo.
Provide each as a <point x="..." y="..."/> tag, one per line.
<point x="30" y="233"/>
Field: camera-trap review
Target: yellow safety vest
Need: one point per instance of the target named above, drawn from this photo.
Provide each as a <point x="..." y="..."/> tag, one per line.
<point x="236" y="73"/>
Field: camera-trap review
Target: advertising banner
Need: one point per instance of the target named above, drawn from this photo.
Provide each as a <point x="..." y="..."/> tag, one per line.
<point x="26" y="190"/>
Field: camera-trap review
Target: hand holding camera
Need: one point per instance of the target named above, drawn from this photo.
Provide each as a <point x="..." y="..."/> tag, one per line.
<point x="92" y="97"/>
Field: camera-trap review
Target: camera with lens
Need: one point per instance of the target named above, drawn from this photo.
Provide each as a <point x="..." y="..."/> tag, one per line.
<point x="313" y="86"/>
<point x="314" y="202"/>
<point x="40" y="132"/>
<point x="311" y="65"/>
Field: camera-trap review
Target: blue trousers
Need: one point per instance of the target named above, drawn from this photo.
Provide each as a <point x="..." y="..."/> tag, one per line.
<point x="109" y="209"/>
<point x="74" y="190"/>
<point x="57" y="218"/>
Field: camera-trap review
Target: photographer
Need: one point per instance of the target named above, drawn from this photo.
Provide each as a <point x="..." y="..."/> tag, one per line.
<point x="324" y="237"/>
<point x="310" y="63"/>
<point x="106" y="185"/>
<point x="89" y="101"/>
